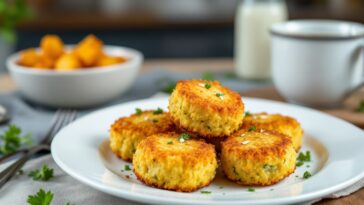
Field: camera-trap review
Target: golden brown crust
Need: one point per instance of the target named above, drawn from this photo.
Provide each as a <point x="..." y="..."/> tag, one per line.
<point x="163" y="161"/>
<point x="126" y="132"/>
<point x="275" y="122"/>
<point x="201" y="111"/>
<point x="257" y="158"/>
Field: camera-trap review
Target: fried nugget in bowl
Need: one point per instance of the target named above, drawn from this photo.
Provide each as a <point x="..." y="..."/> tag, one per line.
<point x="127" y="132"/>
<point x="169" y="161"/>
<point x="278" y="123"/>
<point x="206" y="108"/>
<point x="257" y="158"/>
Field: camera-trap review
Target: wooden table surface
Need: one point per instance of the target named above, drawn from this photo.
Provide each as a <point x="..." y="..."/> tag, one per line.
<point x="185" y="65"/>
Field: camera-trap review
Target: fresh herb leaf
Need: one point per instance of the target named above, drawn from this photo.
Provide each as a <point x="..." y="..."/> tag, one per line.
<point x="158" y="111"/>
<point x="43" y="174"/>
<point x="247" y="114"/>
<point x="251" y="189"/>
<point x="11" y="140"/>
<point x="40" y="198"/>
<point x="207" y="85"/>
<point x="299" y="163"/>
<point x="208" y="76"/>
<point x="127" y="168"/>
<point x="360" y="107"/>
<point x="252" y="128"/>
<point x="138" y="111"/>
<point x="307" y="175"/>
<point x="183" y="137"/>
<point x="304" y="157"/>
<point x="205" y="192"/>
<point x="167" y="85"/>
<point x="170" y="142"/>
<point x="219" y="94"/>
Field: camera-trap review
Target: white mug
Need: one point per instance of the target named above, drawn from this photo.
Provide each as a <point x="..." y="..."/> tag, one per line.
<point x="317" y="62"/>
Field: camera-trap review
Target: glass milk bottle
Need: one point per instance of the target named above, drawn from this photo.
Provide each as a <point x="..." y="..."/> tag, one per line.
<point x="252" y="42"/>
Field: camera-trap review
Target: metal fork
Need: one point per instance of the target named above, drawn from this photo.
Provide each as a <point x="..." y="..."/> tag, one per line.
<point x="60" y="120"/>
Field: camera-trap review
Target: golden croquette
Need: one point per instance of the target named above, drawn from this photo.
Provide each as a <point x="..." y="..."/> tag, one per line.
<point x="206" y="108"/>
<point x="168" y="162"/>
<point x="278" y="123"/>
<point x="257" y="158"/>
<point x="126" y="132"/>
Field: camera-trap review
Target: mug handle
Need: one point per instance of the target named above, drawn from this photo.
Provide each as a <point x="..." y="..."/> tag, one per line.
<point x="361" y="83"/>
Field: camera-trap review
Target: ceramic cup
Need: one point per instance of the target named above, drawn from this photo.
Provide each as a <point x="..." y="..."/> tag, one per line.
<point x="317" y="62"/>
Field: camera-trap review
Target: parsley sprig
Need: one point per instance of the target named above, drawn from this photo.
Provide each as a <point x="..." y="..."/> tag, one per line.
<point x="158" y="111"/>
<point x="40" y="198"/>
<point x="11" y="140"/>
<point x="303" y="157"/>
<point x="42" y="174"/>
<point x="138" y="111"/>
<point x="183" y="137"/>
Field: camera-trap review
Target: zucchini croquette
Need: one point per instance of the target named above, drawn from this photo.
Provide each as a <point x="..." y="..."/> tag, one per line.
<point x="126" y="132"/>
<point x="275" y="122"/>
<point x="206" y="108"/>
<point x="173" y="162"/>
<point x="257" y="158"/>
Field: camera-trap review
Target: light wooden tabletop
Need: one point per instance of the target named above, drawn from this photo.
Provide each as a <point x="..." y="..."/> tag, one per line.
<point x="185" y="65"/>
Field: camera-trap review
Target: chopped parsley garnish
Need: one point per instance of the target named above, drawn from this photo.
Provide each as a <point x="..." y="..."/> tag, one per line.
<point x="138" y="111"/>
<point x="208" y="76"/>
<point x="205" y="192"/>
<point x="304" y="157"/>
<point x="207" y="85"/>
<point x="252" y="128"/>
<point x="43" y="174"/>
<point x="307" y="175"/>
<point x="127" y="168"/>
<point x="219" y="94"/>
<point x="183" y="137"/>
<point x="360" y="107"/>
<point x="299" y="163"/>
<point x="158" y="111"/>
<point x="40" y="198"/>
<point x="170" y="142"/>
<point x="247" y="114"/>
<point x="11" y="140"/>
<point x="155" y="120"/>
<point x="167" y="85"/>
<point x="251" y="189"/>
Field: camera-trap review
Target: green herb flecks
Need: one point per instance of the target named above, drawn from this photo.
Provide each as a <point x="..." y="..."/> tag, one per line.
<point x="170" y="142"/>
<point x="220" y="95"/>
<point x="252" y="128"/>
<point x="127" y="168"/>
<point x="247" y="114"/>
<point x="207" y="85"/>
<point x="307" y="175"/>
<point x="205" y="192"/>
<point x="158" y="111"/>
<point x="251" y="189"/>
<point x="138" y="111"/>
<point x="183" y="137"/>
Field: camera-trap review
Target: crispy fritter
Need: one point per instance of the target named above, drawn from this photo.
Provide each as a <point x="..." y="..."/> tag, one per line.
<point x="68" y="62"/>
<point x="163" y="161"/>
<point x="258" y="158"/>
<point x="278" y="123"/>
<point x="206" y="108"/>
<point x="127" y="132"/>
<point x="52" y="46"/>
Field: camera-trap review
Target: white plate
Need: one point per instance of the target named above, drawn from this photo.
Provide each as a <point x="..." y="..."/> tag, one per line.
<point x="337" y="149"/>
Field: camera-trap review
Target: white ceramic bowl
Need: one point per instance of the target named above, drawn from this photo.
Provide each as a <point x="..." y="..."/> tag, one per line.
<point x="81" y="88"/>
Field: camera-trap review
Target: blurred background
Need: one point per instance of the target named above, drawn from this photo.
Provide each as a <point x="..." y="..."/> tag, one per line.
<point x="158" y="28"/>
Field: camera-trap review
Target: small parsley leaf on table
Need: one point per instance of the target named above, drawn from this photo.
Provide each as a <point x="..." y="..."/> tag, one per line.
<point x="40" y="198"/>
<point x="11" y="140"/>
<point x="43" y="174"/>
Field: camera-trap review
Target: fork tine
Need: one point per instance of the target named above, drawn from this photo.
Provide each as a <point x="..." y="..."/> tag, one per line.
<point x="69" y="116"/>
<point x="55" y="121"/>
